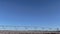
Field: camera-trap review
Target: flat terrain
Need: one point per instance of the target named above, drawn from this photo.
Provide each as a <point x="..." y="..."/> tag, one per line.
<point x="28" y="32"/>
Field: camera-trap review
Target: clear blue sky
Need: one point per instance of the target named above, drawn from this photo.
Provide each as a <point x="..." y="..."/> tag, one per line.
<point x="44" y="13"/>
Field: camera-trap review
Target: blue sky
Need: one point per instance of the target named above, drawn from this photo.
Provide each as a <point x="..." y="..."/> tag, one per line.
<point x="44" y="13"/>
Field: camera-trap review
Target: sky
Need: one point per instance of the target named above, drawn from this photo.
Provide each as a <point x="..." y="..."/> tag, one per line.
<point x="43" y="13"/>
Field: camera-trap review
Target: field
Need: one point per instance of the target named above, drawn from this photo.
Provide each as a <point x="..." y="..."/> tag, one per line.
<point x="28" y="32"/>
